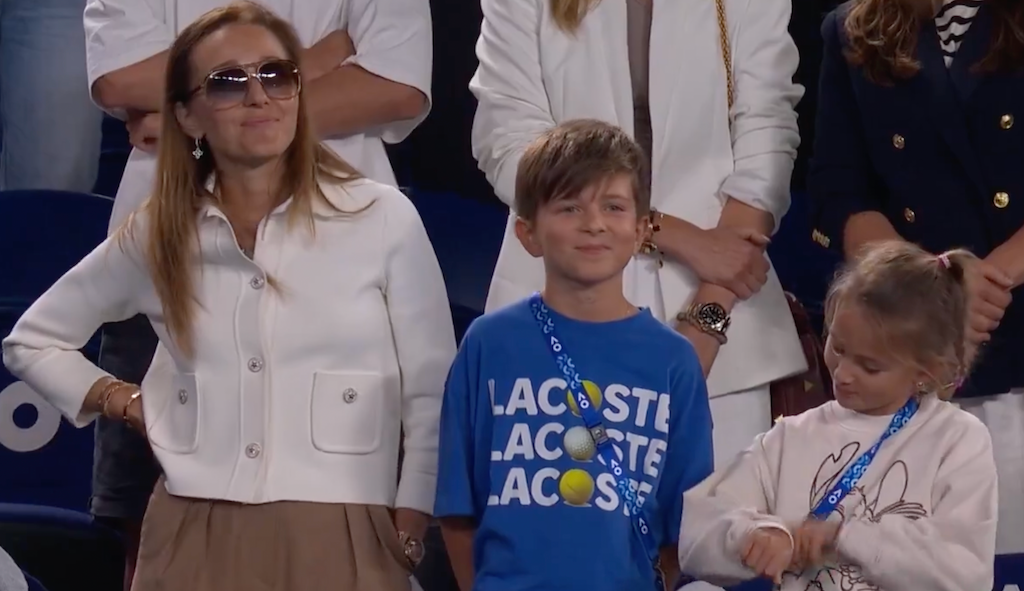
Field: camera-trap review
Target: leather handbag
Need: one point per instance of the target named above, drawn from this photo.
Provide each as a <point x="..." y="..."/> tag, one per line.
<point x="795" y="394"/>
<point x="802" y="392"/>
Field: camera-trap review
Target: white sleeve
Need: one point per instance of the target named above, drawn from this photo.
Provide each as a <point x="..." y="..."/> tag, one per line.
<point x="394" y="40"/>
<point x="421" y="322"/>
<point x="120" y="33"/>
<point x="765" y="135"/>
<point x="43" y="348"/>
<point x="720" y="512"/>
<point x="953" y="549"/>
<point x="513" y="107"/>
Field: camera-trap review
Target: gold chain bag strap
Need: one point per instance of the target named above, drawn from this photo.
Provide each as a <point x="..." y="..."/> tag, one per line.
<point x="795" y="394"/>
<point x="723" y="40"/>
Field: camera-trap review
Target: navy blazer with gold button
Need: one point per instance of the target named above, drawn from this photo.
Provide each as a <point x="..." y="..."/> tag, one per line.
<point x="941" y="155"/>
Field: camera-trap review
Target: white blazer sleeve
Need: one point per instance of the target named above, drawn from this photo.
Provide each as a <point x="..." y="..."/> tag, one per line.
<point x="765" y="134"/>
<point x="120" y="33"/>
<point x="43" y="348"/>
<point x="513" y="107"/>
<point x="720" y="512"/>
<point x="393" y="39"/>
<point x="421" y="322"/>
<point x="953" y="549"/>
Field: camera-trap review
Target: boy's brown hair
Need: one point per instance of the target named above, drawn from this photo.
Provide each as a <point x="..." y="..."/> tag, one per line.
<point x="570" y="157"/>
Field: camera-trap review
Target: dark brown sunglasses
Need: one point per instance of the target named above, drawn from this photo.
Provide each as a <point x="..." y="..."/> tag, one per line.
<point x="227" y="87"/>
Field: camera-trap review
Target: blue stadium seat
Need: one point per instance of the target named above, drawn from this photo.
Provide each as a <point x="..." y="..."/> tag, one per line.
<point x="466" y="235"/>
<point x="43" y="460"/>
<point x="62" y="548"/>
<point x="1009" y="573"/>
<point x="33" y="583"/>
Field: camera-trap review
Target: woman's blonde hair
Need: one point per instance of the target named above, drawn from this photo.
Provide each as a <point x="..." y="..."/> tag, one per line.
<point x="171" y="243"/>
<point x="568" y="14"/>
<point x="916" y="301"/>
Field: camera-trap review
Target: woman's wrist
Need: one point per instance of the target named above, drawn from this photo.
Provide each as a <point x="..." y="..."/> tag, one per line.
<point x="115" y="405"/>
<point x="675" y="237"/>
<point x="706" y="346"/>
<point x="710" y="293"/>
<point x="99" y="395"/>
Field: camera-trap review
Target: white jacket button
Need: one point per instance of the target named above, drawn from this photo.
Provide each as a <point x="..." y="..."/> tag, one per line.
<point x="253" y="450"/>
<point x="255" y="364"/>
<point x="257" y="282"/>
<point x="183" y="396"/>
<point x="349" y="395"/>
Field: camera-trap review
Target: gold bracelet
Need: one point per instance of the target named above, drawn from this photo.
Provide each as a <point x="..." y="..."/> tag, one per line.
<point x="106" y="393"/>
<point x="135" y="396"/>
<point x="648" y="247"/>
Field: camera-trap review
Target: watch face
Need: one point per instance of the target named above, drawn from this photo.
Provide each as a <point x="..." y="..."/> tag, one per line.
<point x="712" y="315"/>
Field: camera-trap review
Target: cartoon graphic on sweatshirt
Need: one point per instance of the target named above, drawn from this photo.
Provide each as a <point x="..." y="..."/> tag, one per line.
<point x="887" y="501"/>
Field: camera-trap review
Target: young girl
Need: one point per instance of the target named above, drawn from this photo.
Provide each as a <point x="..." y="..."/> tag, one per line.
<point x="887" y="488"/>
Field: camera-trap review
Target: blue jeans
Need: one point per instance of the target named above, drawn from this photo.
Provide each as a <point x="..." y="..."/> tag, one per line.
<point x="50" y="128"/>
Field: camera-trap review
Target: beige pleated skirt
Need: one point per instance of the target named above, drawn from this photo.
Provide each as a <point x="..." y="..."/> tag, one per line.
<point x="203" y="545"/>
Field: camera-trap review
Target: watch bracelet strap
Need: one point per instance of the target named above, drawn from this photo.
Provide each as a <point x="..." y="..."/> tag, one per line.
<point x="689" y="316"/>
<point x="406" y="540"/>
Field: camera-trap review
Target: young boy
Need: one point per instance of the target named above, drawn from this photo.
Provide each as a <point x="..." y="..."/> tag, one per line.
<point x="526" y="493"/>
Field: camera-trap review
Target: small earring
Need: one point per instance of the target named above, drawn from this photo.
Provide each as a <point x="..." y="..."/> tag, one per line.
<point x="921" y="388"/>
<point x="198" y="152"/>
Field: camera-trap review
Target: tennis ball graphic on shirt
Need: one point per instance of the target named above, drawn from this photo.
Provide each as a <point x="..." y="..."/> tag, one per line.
<point x="579" y="444"/>
<point x="576" y="487"/>
<point x="593" y="393"/>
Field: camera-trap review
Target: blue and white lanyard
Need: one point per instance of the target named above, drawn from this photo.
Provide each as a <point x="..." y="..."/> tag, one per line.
<point x="592" y="420"/>
<point x="853" y="474"/>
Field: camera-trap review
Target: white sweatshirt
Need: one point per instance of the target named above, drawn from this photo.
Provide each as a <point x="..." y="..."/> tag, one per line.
<point x="922" y="517"/>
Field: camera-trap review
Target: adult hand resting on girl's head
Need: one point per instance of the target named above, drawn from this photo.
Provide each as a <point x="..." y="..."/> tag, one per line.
<point x="768" y="551"/>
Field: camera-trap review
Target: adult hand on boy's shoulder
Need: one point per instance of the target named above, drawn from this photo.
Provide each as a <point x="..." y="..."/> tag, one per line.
<point x="768" y="551"/>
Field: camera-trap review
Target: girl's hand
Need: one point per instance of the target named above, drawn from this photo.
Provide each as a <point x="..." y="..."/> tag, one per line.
<point x="815" y="539"/>
<point x="767" y="551"/>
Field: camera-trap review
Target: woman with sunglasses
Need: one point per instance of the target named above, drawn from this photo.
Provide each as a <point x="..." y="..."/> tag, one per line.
<point x="304" y="327"/>
<point x="366" y="67"/>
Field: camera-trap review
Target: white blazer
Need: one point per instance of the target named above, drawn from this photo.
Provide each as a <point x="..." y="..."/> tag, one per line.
<point x="299" y="394"/>
<point x="392" y="40"/>
<point x="532" y="76"/>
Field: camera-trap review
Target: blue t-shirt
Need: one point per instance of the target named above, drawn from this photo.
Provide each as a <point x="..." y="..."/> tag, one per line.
<point x="514" y="459"/>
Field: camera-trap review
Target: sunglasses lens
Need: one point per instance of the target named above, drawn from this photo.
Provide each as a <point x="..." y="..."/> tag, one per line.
<point x="227" y="86"/>
<point x="280" y="79"/>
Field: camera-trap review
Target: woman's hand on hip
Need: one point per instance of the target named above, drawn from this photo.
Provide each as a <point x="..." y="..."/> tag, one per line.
<point x="411" y="522"/>
<point x="732" y="258"/>
<point x="125" y="404"/>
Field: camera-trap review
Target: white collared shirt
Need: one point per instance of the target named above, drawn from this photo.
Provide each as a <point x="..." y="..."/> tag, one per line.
<point x="299" y="392"/>
<point x="392" y="39"/>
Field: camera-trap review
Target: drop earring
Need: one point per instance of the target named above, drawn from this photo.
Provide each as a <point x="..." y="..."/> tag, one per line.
<point x="198" y="152"/>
